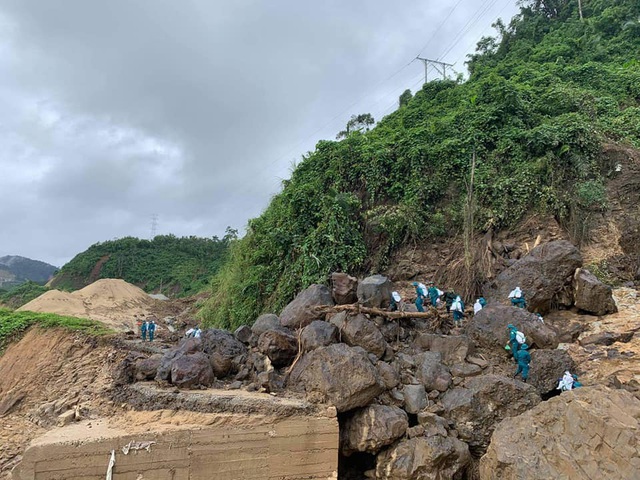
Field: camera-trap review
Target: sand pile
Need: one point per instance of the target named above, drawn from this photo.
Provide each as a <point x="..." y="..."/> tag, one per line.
<point x="113" y="302"/>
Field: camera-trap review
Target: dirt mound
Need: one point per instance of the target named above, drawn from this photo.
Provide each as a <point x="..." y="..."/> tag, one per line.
<point x="48" y="373"/>
<point x="113" y="302"/>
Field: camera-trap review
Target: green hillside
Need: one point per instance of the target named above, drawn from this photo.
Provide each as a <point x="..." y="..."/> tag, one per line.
<point x="541" y="98"/>
<point x="172" y="265"/>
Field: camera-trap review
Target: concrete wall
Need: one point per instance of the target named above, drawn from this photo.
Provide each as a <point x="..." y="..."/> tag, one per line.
<point x="291" y="448"/>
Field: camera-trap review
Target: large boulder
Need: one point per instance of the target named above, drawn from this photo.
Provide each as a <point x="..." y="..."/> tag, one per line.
<point x="281" y="346"/>
<point x="453" y="348"/>
<point x="318" y="334"/>
<point x="544" y="275"/>
<point x="192" y="370"/>
<point x="547" y="368"/>
<point x="344" y="288"/>
<point x="300" y="312"/>
<point x="484" y="401"/>
<point x="591" y="295"/>
<point x="584" y="434"/>
<point x="225" y="351"/>
<point x="489" y="327"/>
<point x="426" y="458"/>
<point x="375" y="291"/>
<point x="267" y="321"/>
<point x="431" y="372"/>
<point x="185" y="347"/>
<point x="415" y="398"/>
<point x="147" y="368"/>
<point x="359" y="331"/>
<point x="338" y="374"/>
<point x="371" y="428"/>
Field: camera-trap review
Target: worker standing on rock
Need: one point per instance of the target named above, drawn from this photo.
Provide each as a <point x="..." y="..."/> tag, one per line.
<point x="421" y="294"/>
<point x="566" y="382"/>
<point x="396" y="301"/>
<point x="457" y="307"/>
<point x="524" y="359"/>
<point x="434" y="294"/>
<point x="143" y="331"/>
<point x="449" y="298"/>
<point x="479" y="305"/>
<point x="517" y="298"/>
<point x="513" y="341"/>
<point x="152" y="330"/>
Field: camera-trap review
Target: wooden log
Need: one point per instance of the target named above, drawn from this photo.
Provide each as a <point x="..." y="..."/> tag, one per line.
<point x="356" y="308"/>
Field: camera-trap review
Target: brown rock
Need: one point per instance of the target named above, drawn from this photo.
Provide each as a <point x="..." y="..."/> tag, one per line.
<point x="359" y="331"/>
<point x="375" y="291"/>
<point x="584" y="434"/>
<point x="547" y="368"/>
<point x="192" y="370"/>
<point x="300" y="313"/>
<point x="281" y="346"/>
<point x="591" y="295"/>
<point x="453" y="348"/>
<point x="371" y="428"/>
<point x="344" y="288"/>
<point x="318" y="334"/>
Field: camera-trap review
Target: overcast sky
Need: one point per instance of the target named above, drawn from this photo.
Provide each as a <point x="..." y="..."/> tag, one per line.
<point x="194" y="110"/>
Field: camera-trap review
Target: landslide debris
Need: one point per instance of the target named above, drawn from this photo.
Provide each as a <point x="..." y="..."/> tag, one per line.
<point x="584" y="434"/>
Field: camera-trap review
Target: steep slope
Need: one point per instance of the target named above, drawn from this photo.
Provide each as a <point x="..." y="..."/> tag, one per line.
<point x="542" y="99"/>
<point x="169" y="264"/>
<point x="15" y="270"/>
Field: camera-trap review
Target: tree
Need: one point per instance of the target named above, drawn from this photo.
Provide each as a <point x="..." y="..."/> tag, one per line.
<point x="405" y="98"/>
<point x="356" y="124"/>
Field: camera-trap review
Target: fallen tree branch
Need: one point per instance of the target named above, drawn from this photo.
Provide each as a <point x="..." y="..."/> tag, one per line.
<point x="356" y="308"/>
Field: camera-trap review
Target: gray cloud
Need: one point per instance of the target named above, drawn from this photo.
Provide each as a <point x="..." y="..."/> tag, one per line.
<point x="193" y="110"/>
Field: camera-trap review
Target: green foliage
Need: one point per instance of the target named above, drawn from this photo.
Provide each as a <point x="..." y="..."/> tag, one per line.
<point x="13" y="324"/>
<point x="167" y="264"/>
<point x="22" y="294"/>
<point x="542" y="97"/>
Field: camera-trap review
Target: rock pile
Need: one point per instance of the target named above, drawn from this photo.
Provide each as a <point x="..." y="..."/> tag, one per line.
<point x="415" y="401"/>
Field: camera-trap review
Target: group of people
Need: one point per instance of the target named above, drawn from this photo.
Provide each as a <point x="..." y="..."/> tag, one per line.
<point x="148" y="328"/>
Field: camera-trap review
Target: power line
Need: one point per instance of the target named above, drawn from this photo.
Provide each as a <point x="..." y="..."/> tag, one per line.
<point x="439" y="27"/>
<point x="154" y="225"/>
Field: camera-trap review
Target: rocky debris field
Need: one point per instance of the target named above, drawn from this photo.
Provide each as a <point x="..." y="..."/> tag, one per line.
<point x="415" y="397"/>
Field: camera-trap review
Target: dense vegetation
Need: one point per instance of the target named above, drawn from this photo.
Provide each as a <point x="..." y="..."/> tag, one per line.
<point x="21" y="294"/>
<point x="540" y="100"/>
<point x="13" y="324"/>
<point x="167" y="264"/>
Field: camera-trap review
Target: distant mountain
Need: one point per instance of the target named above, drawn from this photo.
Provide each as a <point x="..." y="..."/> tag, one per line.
<point x="15" y="270"/>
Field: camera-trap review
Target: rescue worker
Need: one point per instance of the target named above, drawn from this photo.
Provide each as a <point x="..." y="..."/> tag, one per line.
<point x="143" y="330"/>
<point x="513" y="342"/>
<point x="151" y="328"/>
<point x="566" y="382"/>
<point x="449" y="298"/>
<point x="396" y="300"/>
<point x="479" y="305"/>
<point x="457" y="307"/>
<point x="517" y="298"/>
<point x="524" y="359"/>
<point x="420" y="295"/>
<point x="434" y="295"/>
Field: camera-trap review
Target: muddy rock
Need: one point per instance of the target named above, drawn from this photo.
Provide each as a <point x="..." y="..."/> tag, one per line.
<point x="371" y="428"/>
<point x="318" y="334"/>
<point x="281" y="346"/>
<point x="484" y="401"/>
<point x="375" y="291"/>
<point x="464" y="370"/>
<point x="584" y="434"/>
<point x="185" y="347"/>
<point x="453" y="348"/>
<point x="489" y="327"/>
<point x="544" y="275"/>
<point x="415" y="398"/>
<point x="265" y="322"/>
<point x="427" y="458"/>
<point x="431" y="372"/>
<point x="359" y="331"/>
<point x="225" y="351"/>
<point x="344" y="288"/>
<point x="243" y="334"/>
<point x="338" y="374"/>
<point x="388" y="374"/>
<point x="547" y="368"/>
<point x="299" y="312"/>
<point x="591" y="295"/>
<point x="147" y="368"/>
<point x="192" y="370"/>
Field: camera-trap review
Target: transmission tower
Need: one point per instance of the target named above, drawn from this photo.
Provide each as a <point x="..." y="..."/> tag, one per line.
<point x="440" y="67"/>
<point x="154" y="225"/>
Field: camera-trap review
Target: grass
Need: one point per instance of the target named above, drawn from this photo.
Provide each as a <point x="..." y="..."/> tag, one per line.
<point x="13" y="324"/>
